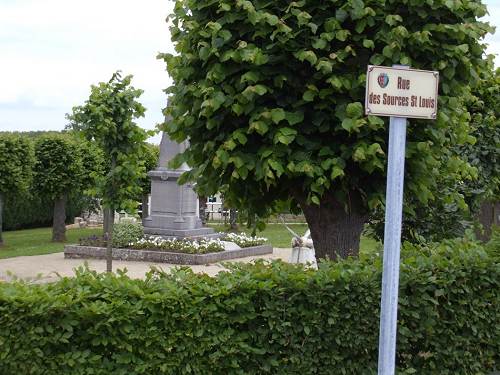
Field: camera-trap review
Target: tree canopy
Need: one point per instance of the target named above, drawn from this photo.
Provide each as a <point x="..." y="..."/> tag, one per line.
<point x="16" y="163"/>
<point x="270" y="96"/>
<point x="108" y="119"/>
<point x="58" y="172"/>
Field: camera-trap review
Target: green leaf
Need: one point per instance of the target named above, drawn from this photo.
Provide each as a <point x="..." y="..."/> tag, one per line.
<point x="285" y="136"/>
<point x="325" y="67"/>
<point x="237" y="108"/>
<point x="354" y="110"/>
<point x="277" y="115"/>
<point x="259" y="126"/>
<point x="309" y="95"/>
<point x="342" y="35"/>
<point x="308" y="56"/>
<point x="359" y="154"/>
<point x="319" y="44"/>
<point x="294" y="117"/>
<point x="387" y="52"/>
<point x="336" y="172"/>
<point x="349" y="124"/>
<point x="367" y="43"/>
<point x="250" y="77"/>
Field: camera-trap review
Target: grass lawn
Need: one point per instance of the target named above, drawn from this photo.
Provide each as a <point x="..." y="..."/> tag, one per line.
<point x="279" y="236"/>
<point x="37" y="241"/>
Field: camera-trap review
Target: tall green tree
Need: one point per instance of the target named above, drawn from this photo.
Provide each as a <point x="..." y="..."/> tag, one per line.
<point x="270" y="95"/>
<point x="108" y="118"/>
<point x="16" y="163"/>
<point x="58" y="172"/>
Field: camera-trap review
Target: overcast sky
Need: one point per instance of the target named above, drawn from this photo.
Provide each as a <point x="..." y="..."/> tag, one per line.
<point x="51" y="51"/>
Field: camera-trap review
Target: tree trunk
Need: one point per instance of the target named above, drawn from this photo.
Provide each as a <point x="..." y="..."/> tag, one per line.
<point x="105" y="219"/>
<point x="233" y="218"/>
<point x="488" y="216"/>
<point x="202" y="204"/>
<point x="1" y="221"/>
<point x="335" y="230"/>
<point x="145" y="206"/>
<point x="108" y="223"/>
<point x="59" y="220"/>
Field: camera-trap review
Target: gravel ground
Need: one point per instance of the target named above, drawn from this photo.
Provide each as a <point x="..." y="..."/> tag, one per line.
<point x="46" y="268"/>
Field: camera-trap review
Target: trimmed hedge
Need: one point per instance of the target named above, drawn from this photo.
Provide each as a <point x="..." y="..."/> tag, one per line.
<point x="32" y="210"/>
<point x="259" y="319"/>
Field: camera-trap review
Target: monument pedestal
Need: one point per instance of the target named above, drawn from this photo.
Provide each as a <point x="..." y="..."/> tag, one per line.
<point x="174" y="207"/>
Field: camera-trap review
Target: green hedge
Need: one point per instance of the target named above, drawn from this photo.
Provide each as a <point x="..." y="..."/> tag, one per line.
<point x="31" y="210"/>
<point x="259" y="319"/>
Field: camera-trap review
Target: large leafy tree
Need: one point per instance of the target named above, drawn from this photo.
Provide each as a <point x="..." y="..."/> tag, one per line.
<point x="270" y="93"/>
<point x="16" y="163"/>
<point x="58" y="172"/>
<point x="108" y="119"/>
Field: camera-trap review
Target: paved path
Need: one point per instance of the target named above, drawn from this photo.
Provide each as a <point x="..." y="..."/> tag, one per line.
<point x="46" y="268"/>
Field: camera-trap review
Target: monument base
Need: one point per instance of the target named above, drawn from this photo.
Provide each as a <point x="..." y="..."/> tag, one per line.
<point x="182" y="233"/>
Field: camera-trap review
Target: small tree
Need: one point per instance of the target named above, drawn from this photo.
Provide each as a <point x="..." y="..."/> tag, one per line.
<point x="107" y="118"/>
<point x="270" y="95"/>
<point x="58" y="172"/>
<point x="16" y="163"/>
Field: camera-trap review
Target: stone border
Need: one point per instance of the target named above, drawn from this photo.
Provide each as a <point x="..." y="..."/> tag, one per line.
<point x="82" y="252"/>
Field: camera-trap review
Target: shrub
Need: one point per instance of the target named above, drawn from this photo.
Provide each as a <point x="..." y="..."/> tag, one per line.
<point x="126" y="232"/>
<point x="259" y="319"/>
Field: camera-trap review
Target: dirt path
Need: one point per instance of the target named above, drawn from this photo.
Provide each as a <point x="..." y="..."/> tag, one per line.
<point x="45" y="268"/>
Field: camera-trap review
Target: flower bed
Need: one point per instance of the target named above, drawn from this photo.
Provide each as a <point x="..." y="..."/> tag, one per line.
<point x="244" y="240"/>
<point x="202" y="246"/>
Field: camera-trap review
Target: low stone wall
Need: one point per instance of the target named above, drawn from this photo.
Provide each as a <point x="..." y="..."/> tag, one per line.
<point x="157" y="256"/>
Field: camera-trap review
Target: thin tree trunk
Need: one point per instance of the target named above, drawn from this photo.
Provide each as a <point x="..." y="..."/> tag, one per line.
<point x="109" y="238"/>
<point x="109" y="226"/>
<point x="335" y="230"/>
<point x="202" y="204"/>
<point x="233" y="218"/>
<point x="1" y="221"/>
<point x="145" y="206"/>
<point x="488" y="216"/>
<point x="59" y="219"/>
<point x="105" y="219"/>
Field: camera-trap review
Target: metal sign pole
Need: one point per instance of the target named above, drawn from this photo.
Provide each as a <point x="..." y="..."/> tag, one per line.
<point x="392" y="245"/>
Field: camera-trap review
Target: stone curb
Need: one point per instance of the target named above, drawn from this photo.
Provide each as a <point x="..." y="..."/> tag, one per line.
<point x="81" y="252"/>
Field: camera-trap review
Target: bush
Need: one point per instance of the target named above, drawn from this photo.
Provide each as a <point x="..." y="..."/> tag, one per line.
<point x="259" y="319"/>
<point x="126" y="232"/>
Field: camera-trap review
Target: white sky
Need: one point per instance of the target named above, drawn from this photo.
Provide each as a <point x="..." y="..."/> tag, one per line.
<point x="51" y="51"/>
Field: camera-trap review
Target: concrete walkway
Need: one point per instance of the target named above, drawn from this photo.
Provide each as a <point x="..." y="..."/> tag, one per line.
<point x="46" y="268"/>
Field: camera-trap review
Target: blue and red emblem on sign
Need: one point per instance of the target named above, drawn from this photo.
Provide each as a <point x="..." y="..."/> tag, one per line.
<point x="383" y="80"/>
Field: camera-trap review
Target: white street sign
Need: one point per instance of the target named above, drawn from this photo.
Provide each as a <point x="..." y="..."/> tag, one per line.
<point x="400" y="92"/>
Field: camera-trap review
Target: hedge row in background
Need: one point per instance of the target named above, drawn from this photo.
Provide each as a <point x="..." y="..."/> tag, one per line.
<point x="29" y="210"/>
<point x="31" y="207"/>
<point x="259" y="319"/>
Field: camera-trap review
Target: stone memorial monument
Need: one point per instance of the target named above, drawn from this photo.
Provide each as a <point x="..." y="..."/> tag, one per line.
<point x="174" y="207"/>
